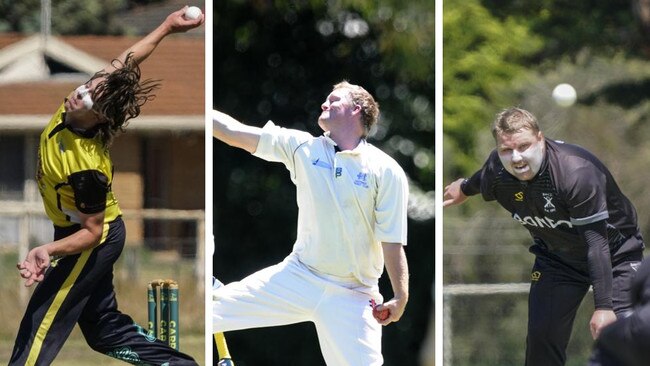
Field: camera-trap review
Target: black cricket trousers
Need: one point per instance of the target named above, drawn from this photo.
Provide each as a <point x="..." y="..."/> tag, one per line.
<point x="556" y="291"/>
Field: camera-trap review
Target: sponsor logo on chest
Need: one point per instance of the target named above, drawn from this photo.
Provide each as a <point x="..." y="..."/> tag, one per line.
<point x="537" y="218"/>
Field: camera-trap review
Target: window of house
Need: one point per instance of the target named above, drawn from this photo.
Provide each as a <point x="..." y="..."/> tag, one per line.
<point x="12" y="160"/>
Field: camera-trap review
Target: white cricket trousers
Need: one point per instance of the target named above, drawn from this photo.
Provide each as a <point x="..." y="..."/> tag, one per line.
<point x="289" y="293"/>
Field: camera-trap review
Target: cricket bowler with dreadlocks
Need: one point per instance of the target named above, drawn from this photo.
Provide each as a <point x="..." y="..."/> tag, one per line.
<point x="74" y="175"/>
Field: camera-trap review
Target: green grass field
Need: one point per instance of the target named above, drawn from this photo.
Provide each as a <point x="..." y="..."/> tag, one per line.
<point x="134" y="270"/>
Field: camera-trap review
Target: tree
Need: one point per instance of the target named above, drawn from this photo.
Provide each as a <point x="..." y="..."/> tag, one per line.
<point x="68" y="17"/>
<point x="482" y="54"/>
<point x="568" y="27"/>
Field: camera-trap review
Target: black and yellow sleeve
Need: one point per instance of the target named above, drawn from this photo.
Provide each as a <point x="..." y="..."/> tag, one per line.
<point x="90" y="188"/>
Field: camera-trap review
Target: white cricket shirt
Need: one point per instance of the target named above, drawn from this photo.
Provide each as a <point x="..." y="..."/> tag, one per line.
<point x="348" y="203"/>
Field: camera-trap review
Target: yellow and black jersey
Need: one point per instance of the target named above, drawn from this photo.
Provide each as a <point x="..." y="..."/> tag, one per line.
<point x="74" y="174"/>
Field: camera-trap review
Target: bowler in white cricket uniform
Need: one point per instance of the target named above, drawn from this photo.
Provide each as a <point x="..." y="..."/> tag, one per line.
<point x="352" y="209"/>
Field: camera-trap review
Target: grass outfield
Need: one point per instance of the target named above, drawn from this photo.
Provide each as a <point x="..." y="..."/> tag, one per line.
<point x="135" y="268"/>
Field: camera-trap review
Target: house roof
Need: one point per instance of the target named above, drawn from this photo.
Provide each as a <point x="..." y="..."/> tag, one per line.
<point x="178" y="62"/>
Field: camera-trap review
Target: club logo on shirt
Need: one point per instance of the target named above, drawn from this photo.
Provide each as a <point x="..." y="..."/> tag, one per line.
<point x="519" y="196"/>
<point x="362" y="180"/>
<point x="549" y="207"/>
<point x="338" y="172"/>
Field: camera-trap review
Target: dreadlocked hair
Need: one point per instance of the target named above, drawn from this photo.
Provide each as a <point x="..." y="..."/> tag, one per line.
<point x="120" y="96"/>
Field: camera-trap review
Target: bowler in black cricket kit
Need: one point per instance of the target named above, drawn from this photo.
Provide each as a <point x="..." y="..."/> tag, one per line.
<point x="584" y="229"/>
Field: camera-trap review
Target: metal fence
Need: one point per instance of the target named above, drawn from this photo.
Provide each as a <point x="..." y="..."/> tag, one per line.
<point x="506" y="343"/>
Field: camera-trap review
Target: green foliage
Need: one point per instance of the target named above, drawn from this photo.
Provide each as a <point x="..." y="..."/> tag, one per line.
<point x="67" y="17"/>
<point x="568" y="27"/>
<point x="85" y="17"/>
<point x="481" y="55"/>
<point x="19" y="16"/>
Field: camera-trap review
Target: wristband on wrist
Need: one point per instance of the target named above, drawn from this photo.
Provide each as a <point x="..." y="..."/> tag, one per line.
<point x="463" y="184"/>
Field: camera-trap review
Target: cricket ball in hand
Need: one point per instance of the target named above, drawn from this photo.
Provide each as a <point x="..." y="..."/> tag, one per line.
<point x="380" y="314"/>
<point x="192" y="13"/>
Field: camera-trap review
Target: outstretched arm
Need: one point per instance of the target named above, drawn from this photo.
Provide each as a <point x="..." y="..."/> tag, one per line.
<point x="174" y="23"/>
<point x="235" y="133"/>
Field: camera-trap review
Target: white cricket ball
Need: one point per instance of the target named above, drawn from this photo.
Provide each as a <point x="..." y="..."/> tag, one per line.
<point x="564" y="95"/>
<point x="192" y="13"/>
